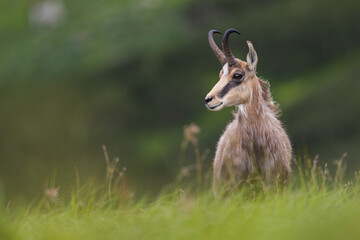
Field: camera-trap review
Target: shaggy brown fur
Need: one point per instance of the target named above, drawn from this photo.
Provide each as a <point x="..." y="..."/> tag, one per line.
<point x="255" y="142"/>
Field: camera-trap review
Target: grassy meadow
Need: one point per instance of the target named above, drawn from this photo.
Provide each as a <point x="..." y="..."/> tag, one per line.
<point x="316" y="204"/>
<point x="129" y="74"/>
<point x="294" y="214"/>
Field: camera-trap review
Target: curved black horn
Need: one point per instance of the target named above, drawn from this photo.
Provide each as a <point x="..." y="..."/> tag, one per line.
<point x="225" y="46"/>
<point x="218" y="53"/>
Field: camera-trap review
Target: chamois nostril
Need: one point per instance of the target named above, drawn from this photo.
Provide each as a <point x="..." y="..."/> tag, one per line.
<point x="207" y="100"/>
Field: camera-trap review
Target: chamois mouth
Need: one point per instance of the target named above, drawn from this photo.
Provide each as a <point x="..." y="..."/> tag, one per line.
<point x="213" y="107"/>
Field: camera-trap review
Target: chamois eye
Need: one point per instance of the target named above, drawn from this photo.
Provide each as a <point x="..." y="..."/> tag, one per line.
<point x="237" y="76"/>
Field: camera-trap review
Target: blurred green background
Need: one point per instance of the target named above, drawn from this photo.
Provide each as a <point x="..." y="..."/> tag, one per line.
<point x="75" y="75"/>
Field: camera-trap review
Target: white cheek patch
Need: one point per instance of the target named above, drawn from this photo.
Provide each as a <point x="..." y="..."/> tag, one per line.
<point x="225" y="69"/>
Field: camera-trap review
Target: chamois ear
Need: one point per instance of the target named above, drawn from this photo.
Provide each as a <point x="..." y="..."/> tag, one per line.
<point x="251" y="57"/>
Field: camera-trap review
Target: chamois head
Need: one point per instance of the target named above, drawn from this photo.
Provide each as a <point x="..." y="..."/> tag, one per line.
<point x="236" y="76"/>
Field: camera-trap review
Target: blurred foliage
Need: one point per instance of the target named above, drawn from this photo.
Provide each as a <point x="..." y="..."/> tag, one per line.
<point x="131" y="74"/>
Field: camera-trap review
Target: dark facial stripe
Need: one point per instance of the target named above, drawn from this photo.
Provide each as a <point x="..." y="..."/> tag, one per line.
<point x="230" y="85"/>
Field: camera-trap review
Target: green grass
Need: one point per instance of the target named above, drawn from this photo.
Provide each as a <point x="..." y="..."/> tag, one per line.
<point x="293" y="215"/>
<point x="316" y="204"/>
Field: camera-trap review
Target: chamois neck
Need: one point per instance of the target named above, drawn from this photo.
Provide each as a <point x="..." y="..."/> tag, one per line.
<point x="254" y="110"/>
<point x="259" y="114"/>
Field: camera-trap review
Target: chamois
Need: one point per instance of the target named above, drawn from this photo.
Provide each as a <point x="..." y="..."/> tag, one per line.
<point x="255" y="142"/>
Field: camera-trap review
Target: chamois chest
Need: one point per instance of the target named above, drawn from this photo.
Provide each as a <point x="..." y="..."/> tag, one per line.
<point x="231" y="152"/>
<point x="245" y="148"/>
